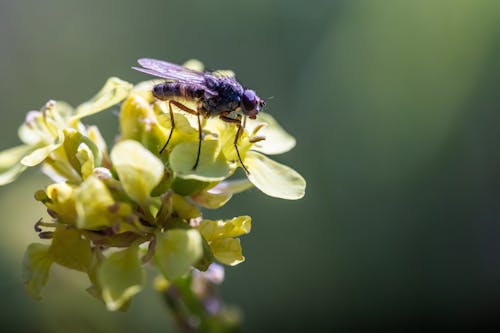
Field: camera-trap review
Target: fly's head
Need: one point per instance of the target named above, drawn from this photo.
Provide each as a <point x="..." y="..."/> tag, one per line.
<point x="251" y="104"/>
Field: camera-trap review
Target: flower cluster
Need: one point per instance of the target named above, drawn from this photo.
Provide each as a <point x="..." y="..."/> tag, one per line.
<point x="110" y="212"/>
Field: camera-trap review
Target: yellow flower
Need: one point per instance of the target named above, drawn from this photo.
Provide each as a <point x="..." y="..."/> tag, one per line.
<point x="45" y="131"/>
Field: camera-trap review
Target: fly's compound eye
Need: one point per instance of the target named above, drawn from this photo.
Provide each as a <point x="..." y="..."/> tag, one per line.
<point x="158" y="90"/>
<point x="249" y="100"/>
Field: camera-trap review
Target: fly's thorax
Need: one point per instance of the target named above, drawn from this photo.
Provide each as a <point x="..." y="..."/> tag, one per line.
<point x="227" y="97"/>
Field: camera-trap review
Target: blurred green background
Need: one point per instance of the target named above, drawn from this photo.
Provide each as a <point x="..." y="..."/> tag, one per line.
<point x="396" y="109"/>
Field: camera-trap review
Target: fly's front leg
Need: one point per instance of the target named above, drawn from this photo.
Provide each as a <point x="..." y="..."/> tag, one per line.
<point x="237" y="136"/>
<point x="188" y="110"/>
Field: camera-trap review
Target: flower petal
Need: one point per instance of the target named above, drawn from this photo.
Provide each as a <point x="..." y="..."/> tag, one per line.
<point x="211" y="167"/>
<point x="274" y="179"/>
<point x="36" y="266"/>
<point x="138" y="169"/>
<point x="39" y="155"/>
<point x="93" y="200"/>
<point x="10" y="167"/>
<point x="120" y="277"/>
<point x="113" y="92"/>
<point x="176" y="251"/>
<point x="211" y="230"/>
<point x="227" y="251"/>
<point x="70" y="250"/>
<point x="277" y="140"/>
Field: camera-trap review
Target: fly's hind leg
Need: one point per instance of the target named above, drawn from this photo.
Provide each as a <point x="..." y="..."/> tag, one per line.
<point x="236" y="137"/>
<point x="188" y="110"/>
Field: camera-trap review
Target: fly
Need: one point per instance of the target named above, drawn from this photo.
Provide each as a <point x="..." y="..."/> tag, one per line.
<point x="216" y="95"/>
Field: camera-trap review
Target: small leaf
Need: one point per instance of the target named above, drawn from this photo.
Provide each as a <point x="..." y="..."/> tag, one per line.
<point x="176" y="251"/>
<point x="113" y="92"/>
<point x="70" y="250"/>
<point x="36" y="267"/>
<point x="274" y="179"/>
<point x="227" y="251"/>
<point x="211" y="167"/>
<point x="120" y="277"/>
<point x="139" y="170"/>
<point x="277" y="140"/>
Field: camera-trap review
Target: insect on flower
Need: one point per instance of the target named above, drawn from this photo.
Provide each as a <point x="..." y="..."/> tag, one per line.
<point x="218" y="94"/>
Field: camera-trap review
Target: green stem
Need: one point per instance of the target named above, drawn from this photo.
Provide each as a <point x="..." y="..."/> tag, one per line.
<point x="200" y="312"/>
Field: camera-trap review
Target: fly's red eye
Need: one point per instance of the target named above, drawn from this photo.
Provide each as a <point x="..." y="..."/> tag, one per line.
<point x="249" y="100"/>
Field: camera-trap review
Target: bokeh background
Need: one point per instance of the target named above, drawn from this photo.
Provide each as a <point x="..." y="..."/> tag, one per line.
<point x="396" y="109"/>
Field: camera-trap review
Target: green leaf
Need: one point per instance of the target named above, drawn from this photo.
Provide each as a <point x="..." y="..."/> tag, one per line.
<point x="120" y="276"/>
<point x="176" y="251"/>
<point x="227" y="251"/>
<point x="36" y="267"/>
<point x="70" y="250"/>
<point x="93" y="200"/>
<point x="139" y="170"/>
<point x="211" y="167"/>
<point x="113" y="92"/>
<point x="277" y="140"/>
<point x="274" y="179"/>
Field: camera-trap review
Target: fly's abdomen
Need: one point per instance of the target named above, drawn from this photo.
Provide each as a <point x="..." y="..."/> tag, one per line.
<point x="168" y="90"/>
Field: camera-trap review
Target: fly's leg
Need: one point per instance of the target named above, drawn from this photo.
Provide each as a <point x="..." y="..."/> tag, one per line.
<point x="188" y="110"/>
<point x="172" y="122"/>
<point x="236" y="138"/>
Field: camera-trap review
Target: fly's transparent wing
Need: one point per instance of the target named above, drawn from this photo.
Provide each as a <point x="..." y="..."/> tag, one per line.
<point x="169" y="71"/>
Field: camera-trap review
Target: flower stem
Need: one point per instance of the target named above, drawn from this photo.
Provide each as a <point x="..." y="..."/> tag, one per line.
<point x="201" y="310"/>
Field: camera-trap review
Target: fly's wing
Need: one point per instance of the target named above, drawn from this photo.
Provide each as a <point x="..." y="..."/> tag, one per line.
<point x="170" y="71"/>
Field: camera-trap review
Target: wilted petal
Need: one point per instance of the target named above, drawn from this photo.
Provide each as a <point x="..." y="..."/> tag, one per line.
<point x="138" y="169"/>
<point x="120" y="276"/>
<point x="274" y="179"/>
